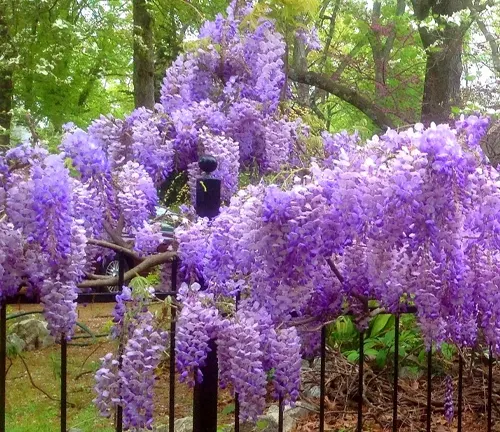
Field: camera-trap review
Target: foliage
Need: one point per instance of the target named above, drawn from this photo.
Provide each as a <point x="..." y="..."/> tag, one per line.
<point x="71" y="60"/>
<point x="379" y="342"/>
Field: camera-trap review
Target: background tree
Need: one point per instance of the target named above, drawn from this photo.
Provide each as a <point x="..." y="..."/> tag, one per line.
<point x="6" y="91"/>
<point x="375" y="61"/>
<point x="144" y="67"/>
<point x="70" y="60"/>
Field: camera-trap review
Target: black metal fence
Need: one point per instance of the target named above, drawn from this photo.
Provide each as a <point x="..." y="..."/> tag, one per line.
<point x="205" y="394"/>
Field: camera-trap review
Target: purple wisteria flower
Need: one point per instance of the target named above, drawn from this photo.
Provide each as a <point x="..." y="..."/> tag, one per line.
<point x="448" y="399"/>
<point x="309" y="37"/>
<point x="141" y="357"/>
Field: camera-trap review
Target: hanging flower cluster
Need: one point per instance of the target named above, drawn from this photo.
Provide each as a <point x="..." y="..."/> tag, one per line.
<point x="127" y="379"/>
<point x="42" y="239"/>
<point x="409" y="218"/>
<point x="249" y="348"/>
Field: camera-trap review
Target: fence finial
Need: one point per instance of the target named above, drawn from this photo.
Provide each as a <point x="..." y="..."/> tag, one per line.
<point x="208" y="164"/>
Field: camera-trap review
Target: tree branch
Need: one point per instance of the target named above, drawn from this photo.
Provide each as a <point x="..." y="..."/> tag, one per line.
<point x="351" y="96"/>
<point x="115" y="247"/>
<point x="495" y="49"/>
<point x="147" y="264"/>
<point x="115" y="234"/>
<point x="348" y="58"/>
<point x="335" y="270"/>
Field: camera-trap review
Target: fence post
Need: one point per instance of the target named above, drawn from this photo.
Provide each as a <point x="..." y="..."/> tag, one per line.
<point x="208" y="200"/>
<point x="3" y="363"/>
<point x="64" y="389"/>
<point x="171" y="394"/>
<point x="121" y="277"/>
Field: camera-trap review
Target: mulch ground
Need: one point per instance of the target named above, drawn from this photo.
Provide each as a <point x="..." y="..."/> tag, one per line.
<point x="342" y="398"/>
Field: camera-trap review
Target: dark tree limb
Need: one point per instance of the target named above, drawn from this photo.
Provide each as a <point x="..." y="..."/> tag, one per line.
<point x="115" y="247"/>
<point x="351" y="96"/>
<point x="147" y="264"/>
<point x="494" y="45"/>
<point x="115" y="234"/>
<point x="335" y="270"/>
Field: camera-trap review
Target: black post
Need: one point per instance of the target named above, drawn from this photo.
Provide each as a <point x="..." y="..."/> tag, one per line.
<point x="208" y="200"/>
<point x="205" y="394"/>
<point x="429" y="389"/>
<point x="64" y="372"/>
<point x="281" y="408"/>
<point x="490" y="389"/>
<point x="396" y="376"/>
<point x="236" y="395"/>
<point x="171" y="394"/>
<point x="3" y="356"/>
<point x="322" y="382"/>
<point x="360" y="380"/>
<point x="460" y="390"/>
<point x="121" y="277"/>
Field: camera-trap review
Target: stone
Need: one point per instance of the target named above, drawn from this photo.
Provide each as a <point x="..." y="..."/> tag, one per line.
<point x="269" y="421"/>
<point x="75" y="430"/>
<point x="300" y="410"/>
<point x="264" y="423"/>
<point x="312" y="391"/>
<point x="288" y="420"/>
<point x="184" y="424"/>
<point x="34" y="333"/>
<point x="15" y="344"/>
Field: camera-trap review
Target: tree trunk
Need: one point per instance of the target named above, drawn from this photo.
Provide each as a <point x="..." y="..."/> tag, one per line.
<point x="444" y="58"/>
<point x="6" y="84"/>
<point x="300" y="65"/>
<point x="143" y="55"/>
<point x="442" y="80"/>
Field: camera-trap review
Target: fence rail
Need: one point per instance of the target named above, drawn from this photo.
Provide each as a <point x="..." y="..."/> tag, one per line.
<point x="202" y="395"/>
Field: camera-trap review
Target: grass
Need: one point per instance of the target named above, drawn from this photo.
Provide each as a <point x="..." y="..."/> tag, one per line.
<point x="29" y="410"/>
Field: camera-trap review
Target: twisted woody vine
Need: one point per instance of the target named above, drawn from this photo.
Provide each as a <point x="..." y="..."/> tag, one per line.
<point x="407" y="218"/>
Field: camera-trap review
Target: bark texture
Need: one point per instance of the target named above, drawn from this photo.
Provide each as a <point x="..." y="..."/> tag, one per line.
<point x="444" y="58"/>
<point x="144" y="68"/>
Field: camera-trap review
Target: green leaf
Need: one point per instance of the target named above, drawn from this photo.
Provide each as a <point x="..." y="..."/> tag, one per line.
<point x="422" y="355"/>
<point x="261" y="424"/>
<point x="372" y="353"/>
<point x="86" y="329"/>
<point x="370" y="343"/>
<point x="448" y="351"/>
<point x="381" y="358"/>
<point x="379" y="324"/>
<point x="228" y="409"/>
<point x="389" y="337"/>
<point x="353" y="356"/>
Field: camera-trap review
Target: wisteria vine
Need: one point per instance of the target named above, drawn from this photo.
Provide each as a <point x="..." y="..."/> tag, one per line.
<point x="407" y="218"/>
